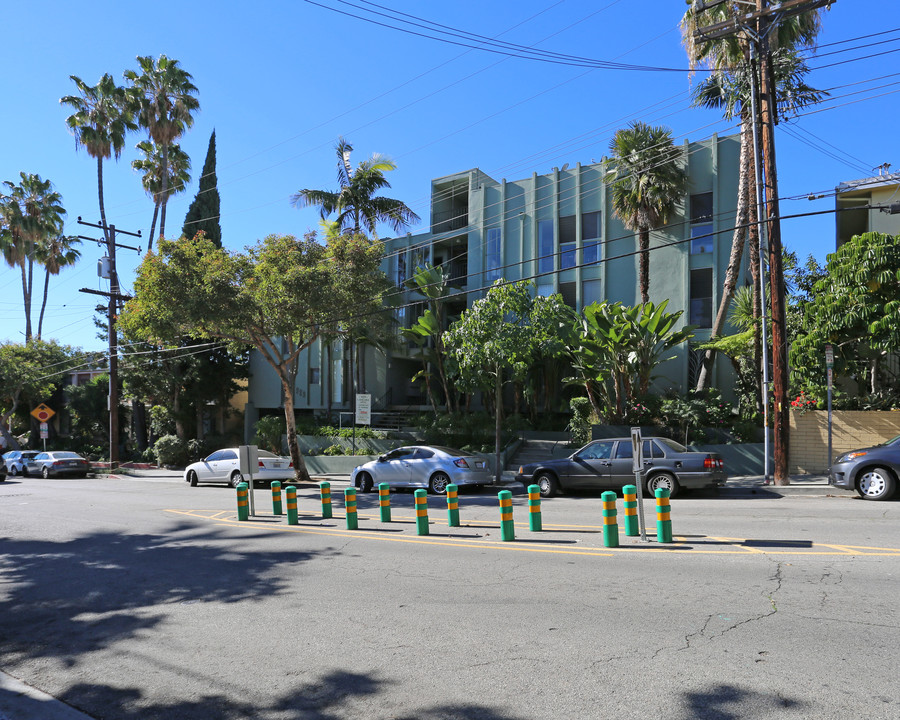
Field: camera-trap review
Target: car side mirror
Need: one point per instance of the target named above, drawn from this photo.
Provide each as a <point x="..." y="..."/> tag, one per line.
<point x="382" y="458"/>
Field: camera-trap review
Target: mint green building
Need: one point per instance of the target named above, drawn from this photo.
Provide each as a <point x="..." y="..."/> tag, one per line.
<point x="556" y="229"/>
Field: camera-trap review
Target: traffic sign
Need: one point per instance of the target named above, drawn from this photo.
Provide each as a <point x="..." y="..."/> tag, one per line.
<point x="45" y="431"/>
<point x="829" y="356"/>
<point x="42" y="413"/>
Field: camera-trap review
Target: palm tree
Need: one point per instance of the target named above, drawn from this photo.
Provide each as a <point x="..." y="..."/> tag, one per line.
<point x="151" y="165"/>
<point x="356" y="204"/>
<point x="101" y="119"/>
<point x="55" y="253"/>
<point x="32" y="211"/>
<point x="647" y="182"/>
<point x="164" y="98"/>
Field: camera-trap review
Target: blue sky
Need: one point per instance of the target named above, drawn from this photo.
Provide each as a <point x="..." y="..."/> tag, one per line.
<point x="280" y="81"/>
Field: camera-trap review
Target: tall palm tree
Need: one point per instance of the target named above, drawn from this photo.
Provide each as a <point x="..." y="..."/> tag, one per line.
<point x="55" y="253"/>
<point x="164" y="98"/>
<point x="101" y="119"/>
<point x="647" y="182"/>
<point x="151" y="164"/>
<point x="32" y="212"/>
<point x="356" y="203"/>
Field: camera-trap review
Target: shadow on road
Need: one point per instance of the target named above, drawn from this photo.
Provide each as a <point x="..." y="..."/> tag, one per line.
<point x="729" y="702"/>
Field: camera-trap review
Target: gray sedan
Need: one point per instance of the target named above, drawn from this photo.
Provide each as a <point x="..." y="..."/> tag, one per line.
<point x="871" y="471"/>
<point x="422" y="466"/>
<point x="607" y="465"/>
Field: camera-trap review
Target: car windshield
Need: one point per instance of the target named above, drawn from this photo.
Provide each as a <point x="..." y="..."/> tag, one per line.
<point x="677" y="447"/>
<point x="451" y="451"/>
<point x="265" y="453"/>
<point x="65" y="455"/>
<point x="892" y="441"/>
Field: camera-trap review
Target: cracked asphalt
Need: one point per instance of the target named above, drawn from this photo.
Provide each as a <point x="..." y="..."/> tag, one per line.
<point x="128" y="599"/>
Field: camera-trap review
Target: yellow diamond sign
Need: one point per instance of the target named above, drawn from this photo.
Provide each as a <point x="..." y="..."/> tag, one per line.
<point x="43" y="413"/>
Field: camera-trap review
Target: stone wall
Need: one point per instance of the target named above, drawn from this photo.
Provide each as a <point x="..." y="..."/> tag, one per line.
<point x="850" y="429"/>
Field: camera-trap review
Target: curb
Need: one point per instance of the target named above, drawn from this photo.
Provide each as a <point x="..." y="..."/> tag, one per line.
<point x="19" y="701"/>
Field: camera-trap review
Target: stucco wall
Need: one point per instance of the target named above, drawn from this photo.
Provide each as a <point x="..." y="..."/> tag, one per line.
<point x="850" y="429"/>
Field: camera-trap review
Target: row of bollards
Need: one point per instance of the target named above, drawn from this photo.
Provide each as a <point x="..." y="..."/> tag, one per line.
<point x="507" y="528"/>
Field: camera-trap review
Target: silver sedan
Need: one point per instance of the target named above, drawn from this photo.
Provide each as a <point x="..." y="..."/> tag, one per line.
<point x="423" y="466"/>
<point x="223" y="467"/>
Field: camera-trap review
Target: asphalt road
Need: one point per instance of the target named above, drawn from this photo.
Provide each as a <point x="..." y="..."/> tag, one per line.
<point x="133" y="599"/>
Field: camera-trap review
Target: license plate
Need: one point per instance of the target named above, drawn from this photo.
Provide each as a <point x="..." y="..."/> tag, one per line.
<point x="479" y="464"/>
<point x="277" y="465"/>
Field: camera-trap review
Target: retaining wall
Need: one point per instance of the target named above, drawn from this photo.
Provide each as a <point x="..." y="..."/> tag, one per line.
<point x="850" y="429"/>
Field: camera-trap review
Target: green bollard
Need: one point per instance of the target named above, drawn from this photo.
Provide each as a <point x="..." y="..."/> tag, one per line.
<point x="421" y="497"/>
<point x="243" y="502"/>
<point x="384" y="501"/>
<point x="534" y="508"/>
<point x="325" y="489"/>
<point x="452" y="505"/>
<point x="610" y="527"/>
<point x="629" y="505"/>
<point x="507" y="529"/>
<point x="350" y="508"/>
<point x="276" y="497"/>
<point x="663" y="516"/>
<point x="290" y="493"/>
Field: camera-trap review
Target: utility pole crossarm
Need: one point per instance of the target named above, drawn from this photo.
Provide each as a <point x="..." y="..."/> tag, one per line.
<point x="785" y="9"/>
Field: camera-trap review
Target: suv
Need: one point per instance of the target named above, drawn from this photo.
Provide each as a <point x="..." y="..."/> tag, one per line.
<point x="15" y="462"/>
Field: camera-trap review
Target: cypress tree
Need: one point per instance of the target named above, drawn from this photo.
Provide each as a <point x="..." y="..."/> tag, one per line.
<point x="203" y="213"/>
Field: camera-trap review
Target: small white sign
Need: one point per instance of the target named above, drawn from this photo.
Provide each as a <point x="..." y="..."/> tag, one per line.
<point x="363" y="409"/>
<point x="45" y="431"/>
<point x="637" y="450"/>
<point x="248" y="459"/>
<point x="829" y="356"/>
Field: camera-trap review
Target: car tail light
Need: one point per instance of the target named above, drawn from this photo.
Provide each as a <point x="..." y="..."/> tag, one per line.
<point x="461" y="462"/>
<point x="261" y="464"/>
<point x="711" y="463"/>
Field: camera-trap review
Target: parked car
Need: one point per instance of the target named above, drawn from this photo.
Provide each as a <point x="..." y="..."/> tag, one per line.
<point x="608" y="465"/>
<point x="422" y="466"/>
<point x="15" y="462"/>
<point x="871" y="471"/>
<point x="58" y="463"/>
<point x="2" y="472"/>
<point x="223" y="466"/>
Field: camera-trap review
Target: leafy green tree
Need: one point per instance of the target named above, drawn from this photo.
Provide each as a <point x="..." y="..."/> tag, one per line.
<point x="647" y="183"/>
<point x="29" y="372"/>
<point x="151" y="165"/>
<point x="102" y="116"/>
<point x="357" y="206"/>
<point x="203" y="214"/>
<point x="278" y="297"/>
<point x="55" y="253"/>
<point x="32" y="214"/>
<point x="854" y="307"/>
<point x="164" y="98"/>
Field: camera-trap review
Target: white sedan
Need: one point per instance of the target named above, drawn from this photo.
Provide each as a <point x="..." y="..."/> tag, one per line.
<point x="223" y="467"/>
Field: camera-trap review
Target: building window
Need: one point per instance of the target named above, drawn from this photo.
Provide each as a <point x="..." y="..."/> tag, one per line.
<point x="545" y="289"/>
<point x="401" y="267"/>
<point x="701" y="223"/>
<point x="314" y="376"/>
<point x="493" y="259"/>
<point x="701" y="297"/>
<point x="546" y="249"/>
<point x="567" y="290"/>
<point x="590" y="237"/>
<point x="590" y="292"/>
<point x="567" y="249"/>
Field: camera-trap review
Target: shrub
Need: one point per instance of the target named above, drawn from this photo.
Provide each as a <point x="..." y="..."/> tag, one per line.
<point x="580" y="425"/>
<point x="171" y="451"/>
<point x="269" y="431"/>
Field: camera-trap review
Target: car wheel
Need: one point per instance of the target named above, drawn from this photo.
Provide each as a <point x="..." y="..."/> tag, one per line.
<point x="192" y="478"/>
<point x="45" y="472"/>
<point x="548" y="484"/>
<point x="365" y="483"/>
<point x="13" y="471"/>
<point x="876" y="483"/>
<point x="666" y="481"/>
<point x="236" y="478"/>
<point x="438" y="483"/>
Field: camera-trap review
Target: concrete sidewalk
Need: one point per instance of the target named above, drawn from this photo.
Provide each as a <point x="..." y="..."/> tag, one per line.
<point x="19" y="701"/>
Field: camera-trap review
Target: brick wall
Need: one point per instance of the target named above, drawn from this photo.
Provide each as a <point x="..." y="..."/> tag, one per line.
<point x="850" y="429"/>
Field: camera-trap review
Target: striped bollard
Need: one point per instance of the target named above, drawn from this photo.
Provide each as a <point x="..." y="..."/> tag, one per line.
<point x="453" y="505"/>
<point x="243" y="502"/>
<point x="421" y="511"/>
<point x="276" y="497"/>
<point x="507" y="530"/>
<point x="630" y="506"/>
<point x="663" y="516"/>
<point x="350" y="508"/>
<point x="325" y="489"/>
<point x="290" y="493"/>
<point x="384" y="501"/>
<point x="610" y="527"/>
<point x="534" y="508"/>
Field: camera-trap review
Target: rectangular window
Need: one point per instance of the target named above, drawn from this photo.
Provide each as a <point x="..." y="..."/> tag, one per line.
<point x="590" y="292"/>
<point x="567" y="248"/>
<point x="590" y="237"/>
<point x="567" y="290"/>
<point x="701" y="223"/>
<point x="401" y="267"/>
<point x="701" y="297"/>
<point x="545" y="289"/>
<point x="493" y="259"/>
<point x="546" y="246"/>
<point x="314" y="376"/>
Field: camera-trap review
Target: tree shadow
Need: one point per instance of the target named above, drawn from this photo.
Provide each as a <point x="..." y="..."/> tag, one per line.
<point x="729" y="702"/>
<point x="82" y="593"/>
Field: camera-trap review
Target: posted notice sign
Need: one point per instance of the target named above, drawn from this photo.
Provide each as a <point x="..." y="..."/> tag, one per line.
<point x="363" y="409"/>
